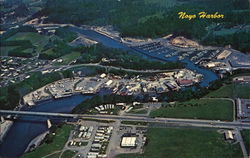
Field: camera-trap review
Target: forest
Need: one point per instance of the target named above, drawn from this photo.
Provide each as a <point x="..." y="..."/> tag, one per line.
<point x="156" y="18"/>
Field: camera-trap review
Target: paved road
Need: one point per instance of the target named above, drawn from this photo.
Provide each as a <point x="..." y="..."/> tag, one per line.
<point x="120" y="68"/>
<point x="184" y="122"/>
<point x="66" y="67"/>
<point x="171" y="121"/>
<point x="240" y="140"/>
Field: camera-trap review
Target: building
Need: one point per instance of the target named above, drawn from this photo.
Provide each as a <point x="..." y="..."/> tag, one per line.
<point x="109" y="82"/>
<point x="185" y="82"/>
<point x="103" y="75"/>
<point x="229" y="135"/>
<point x="224" y="54"/>
<point x="128" y="141"/>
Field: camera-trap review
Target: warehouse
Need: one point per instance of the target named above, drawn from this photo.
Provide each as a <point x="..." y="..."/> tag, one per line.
<point x="128" y="141"/>
<point x="224" y="54"/>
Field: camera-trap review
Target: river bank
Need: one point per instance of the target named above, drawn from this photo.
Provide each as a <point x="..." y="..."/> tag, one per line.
<point x="4" y="128"/>
<point x="25" y="129"/>
<point x="36" y="142"/>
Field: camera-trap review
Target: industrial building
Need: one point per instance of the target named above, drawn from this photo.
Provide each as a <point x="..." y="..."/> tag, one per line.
<point x="224" y="54"/>
<point x="128" y="141"/>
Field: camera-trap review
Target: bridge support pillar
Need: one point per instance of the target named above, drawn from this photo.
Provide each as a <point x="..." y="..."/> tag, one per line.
<point x="49" y="124"/>
<point x="2" y="119"/>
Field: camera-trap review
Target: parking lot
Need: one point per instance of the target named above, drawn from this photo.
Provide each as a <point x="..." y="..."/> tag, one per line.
<point x="243" y="109"/>
<point x="156" y="49"/>
<point x="95" y="139"/>
<point x="127" y="131"/>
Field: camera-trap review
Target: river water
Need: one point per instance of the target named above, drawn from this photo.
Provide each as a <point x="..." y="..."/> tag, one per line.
<point x="208" y="75"/>
<point x="22" y="132"/>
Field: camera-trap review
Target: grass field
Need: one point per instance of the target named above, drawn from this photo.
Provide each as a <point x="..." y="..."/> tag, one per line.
<point x="134" y="123"/>
<point x="139" y="111"/>
<point x="4" y="50"/>
<point x="68" y="154"/>
<point x="49" y="51"/>
<point x="69" y="58"/>
<point x="232" y="91"/>
<point x="33" y="37"/>
<point x="186" y="143"/>
<point x="56" y="155"/>
<point x="37" y="41"/>
<point x="198" y="109"/>
<point x="246" y="138"/>
<point x="26" y="44"/>
<point x="58" y="143"/>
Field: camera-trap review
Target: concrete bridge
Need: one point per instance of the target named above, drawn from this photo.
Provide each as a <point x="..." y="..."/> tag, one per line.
<point x="30" y="113"/>
<point x="166" y="121"/>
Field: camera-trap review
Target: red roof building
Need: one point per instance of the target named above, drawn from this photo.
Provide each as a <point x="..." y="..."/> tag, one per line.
<point x="185" y="82"/>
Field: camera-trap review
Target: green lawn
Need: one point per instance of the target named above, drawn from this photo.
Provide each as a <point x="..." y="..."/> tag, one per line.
<point x="69" y="57"/>
<point x="246" y="138"/>
<point x="55" y="155"/>
<point x="186" y="143"/>
<point x="4" y="50"/>
<point x="36" y="40"/>
<point x="58" y="143"/>
<point x="68" y="154"/>
<point x="49" y="51"/>
<point x="139" y="111"/>
<point x="134" y="123"/>
<point x="200" y="109"/>
<point x="33" y="37"/>
<point x="232" y="91"/>
<point x="29" y="50"/>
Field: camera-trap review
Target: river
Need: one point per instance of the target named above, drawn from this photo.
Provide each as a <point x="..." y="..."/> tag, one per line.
<point x="208" y="75"/>
<point x="22" y="132"/>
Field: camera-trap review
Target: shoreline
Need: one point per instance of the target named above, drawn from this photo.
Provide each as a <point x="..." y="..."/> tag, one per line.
<point x="4" y="128"/>
<point x="36" y="141"/>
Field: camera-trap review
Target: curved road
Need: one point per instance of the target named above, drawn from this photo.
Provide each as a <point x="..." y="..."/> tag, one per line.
<point x="120" y="68"/>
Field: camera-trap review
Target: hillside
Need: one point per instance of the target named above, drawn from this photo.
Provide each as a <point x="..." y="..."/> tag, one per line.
<point x="154" y="18"/>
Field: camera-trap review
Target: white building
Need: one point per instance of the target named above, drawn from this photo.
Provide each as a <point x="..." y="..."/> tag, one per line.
<point x="128" y="142"/>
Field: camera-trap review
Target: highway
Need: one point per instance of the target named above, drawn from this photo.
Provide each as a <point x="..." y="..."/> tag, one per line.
<point x="167" y="121"/>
